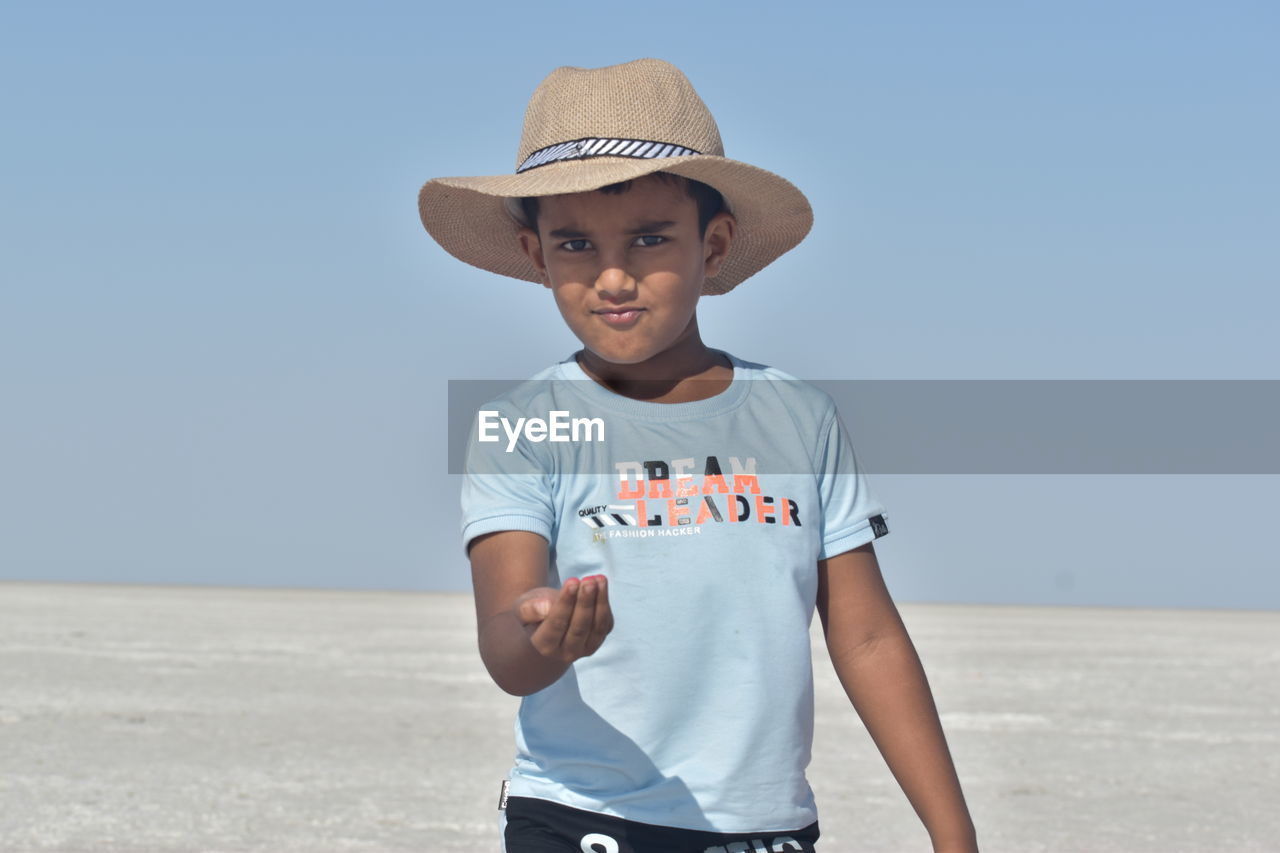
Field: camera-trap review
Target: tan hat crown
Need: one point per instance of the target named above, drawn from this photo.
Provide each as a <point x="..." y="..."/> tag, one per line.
<point x="647" y="99"/>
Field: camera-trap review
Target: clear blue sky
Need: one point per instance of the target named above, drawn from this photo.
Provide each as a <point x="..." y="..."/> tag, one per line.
<point x="225" y="337"/>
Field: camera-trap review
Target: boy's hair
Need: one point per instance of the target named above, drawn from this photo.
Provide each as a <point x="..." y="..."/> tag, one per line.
<point x="708" y="198"/>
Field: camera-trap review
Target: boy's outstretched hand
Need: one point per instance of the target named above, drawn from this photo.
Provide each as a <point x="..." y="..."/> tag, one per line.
<point x="568" y="623"/>
<point x="530" y="634"/>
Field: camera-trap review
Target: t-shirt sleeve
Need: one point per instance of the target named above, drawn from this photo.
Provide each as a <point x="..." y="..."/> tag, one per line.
<point x="851" y="514"/>
<point x="505" y="488"/>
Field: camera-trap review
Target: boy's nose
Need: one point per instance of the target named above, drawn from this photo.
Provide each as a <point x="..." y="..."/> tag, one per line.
<point x="615" y="283"/>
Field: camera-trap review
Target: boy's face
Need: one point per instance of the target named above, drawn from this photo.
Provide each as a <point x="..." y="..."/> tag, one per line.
<point x="626" y="269"/>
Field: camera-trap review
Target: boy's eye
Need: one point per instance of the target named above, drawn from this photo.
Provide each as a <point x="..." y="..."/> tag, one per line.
<point x="650" y="240"/>
<point x="576" y="245"/>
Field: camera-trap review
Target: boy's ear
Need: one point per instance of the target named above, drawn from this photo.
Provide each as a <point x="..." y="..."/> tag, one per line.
<point x="532" y="247"/>
<point x="716" y="241"/>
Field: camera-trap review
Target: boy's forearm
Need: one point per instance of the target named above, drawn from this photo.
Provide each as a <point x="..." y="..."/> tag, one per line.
<point x="888" y="687"/>
<point x="514" y="664"/>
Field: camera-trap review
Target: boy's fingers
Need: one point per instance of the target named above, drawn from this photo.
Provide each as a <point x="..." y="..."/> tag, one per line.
<point x="535" y="605"/>
<point x="580" y="624"/>
<point x="549" y="636"/>
<point x="577" y="620"/>
<point x="603" y="622"/>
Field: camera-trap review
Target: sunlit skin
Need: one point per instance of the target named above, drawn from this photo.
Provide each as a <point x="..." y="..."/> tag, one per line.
<point x="626" y="271"/>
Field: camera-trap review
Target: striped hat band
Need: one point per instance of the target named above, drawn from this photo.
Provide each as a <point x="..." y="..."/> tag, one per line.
<point x="595" y="146"/>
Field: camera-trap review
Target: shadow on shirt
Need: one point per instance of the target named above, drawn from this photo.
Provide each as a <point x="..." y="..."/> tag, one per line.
<point x="563" y="743"/>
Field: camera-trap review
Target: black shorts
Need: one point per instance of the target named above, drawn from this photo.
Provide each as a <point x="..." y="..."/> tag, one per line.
<point x="539" y="826"/>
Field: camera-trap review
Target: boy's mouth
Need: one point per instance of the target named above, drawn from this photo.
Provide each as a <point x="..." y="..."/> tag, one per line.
<point x="618" y="316"/>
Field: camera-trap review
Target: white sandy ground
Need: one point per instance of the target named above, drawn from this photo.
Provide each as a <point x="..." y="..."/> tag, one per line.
<point x="197" y="719"/>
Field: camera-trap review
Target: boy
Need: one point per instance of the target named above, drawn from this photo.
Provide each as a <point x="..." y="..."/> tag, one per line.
<point x="648" y="587"/>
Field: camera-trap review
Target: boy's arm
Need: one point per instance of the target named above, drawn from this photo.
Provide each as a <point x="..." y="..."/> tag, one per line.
<point x="878" y="666"/>
<point x="529" y="633"/>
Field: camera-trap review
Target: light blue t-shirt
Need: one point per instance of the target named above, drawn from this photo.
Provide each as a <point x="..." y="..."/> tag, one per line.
<point x="708" y="519"/>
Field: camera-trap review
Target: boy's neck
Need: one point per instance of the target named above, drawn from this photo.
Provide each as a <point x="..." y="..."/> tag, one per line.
<point x="685" y="373"/>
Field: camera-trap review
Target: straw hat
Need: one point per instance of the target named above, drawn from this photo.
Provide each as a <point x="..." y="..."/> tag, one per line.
<point x="586" y="128"/>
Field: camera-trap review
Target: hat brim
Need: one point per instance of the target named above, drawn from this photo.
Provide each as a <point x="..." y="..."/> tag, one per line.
<point x="468" y="216"/>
